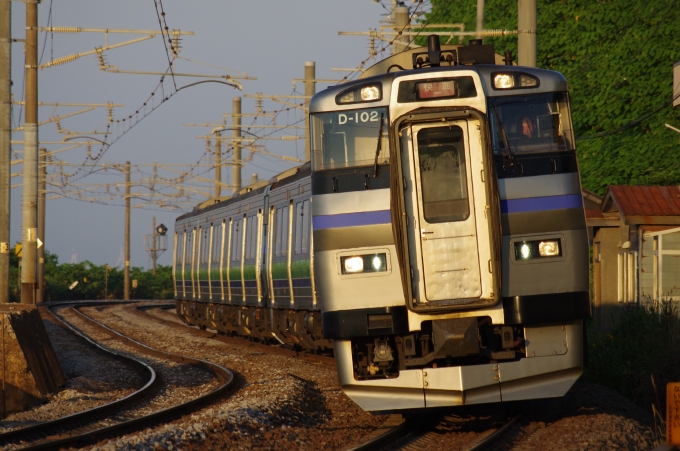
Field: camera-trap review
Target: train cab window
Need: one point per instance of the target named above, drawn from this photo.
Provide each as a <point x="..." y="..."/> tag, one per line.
<point x="349" y="138"/>
<point x="532" y="123"/>
<point x="443" y="179"/>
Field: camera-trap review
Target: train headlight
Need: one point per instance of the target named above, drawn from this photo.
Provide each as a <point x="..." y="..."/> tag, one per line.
<point x="527" y="250"/>
<point x="352" y="265"/>
<point x="549" y="248"/>
<point x="504" y="81"/>
<point x="368" y="263"/>
<point x="366" y="93"/>
<point x="370" y="93"/>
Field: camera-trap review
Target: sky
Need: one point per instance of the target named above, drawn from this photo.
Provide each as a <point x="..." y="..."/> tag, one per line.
<point x="267" y="39"/>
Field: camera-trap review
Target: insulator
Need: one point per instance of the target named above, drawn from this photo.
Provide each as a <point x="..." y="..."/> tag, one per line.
<point x="64" y="60"/>
<point x="66" y="29"/>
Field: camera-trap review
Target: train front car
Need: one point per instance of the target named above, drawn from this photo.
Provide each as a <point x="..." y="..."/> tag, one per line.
<point x="450" y="245"/>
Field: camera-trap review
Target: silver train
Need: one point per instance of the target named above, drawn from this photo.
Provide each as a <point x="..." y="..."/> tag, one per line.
<point x="446" y="260"/>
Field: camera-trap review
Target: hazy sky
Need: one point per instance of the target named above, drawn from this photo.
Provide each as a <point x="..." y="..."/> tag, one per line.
<point x="268" y="39"/>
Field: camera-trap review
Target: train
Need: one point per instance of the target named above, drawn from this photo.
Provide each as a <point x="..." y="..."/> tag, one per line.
<point x="436" y="242"/>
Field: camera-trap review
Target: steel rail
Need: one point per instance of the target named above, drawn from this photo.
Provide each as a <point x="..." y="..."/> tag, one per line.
<point x="224" y="375"/>
<point x="142" y="368"/>
<point x="486" y="441"/>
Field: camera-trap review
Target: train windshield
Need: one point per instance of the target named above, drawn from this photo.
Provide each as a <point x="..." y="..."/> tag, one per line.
<point x="343" y="139"/>
<point x="531" y="123"/>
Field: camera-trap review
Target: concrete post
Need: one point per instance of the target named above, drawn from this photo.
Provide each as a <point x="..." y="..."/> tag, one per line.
<point x="310" y="90"/>
<point x="30" y="195"/>
<point x="236" y="134"/>
<point x="401" y="20"/>
<point x="126" y="271"/>
<point x="5" y="143"/>
<point x="526" y="29"/>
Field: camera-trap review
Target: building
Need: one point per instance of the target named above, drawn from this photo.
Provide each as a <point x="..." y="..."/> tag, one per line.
<point x="636" y="248"/>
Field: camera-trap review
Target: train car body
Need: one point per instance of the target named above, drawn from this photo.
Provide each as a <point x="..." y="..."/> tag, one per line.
<point x="437" y="241"/>
<point x="451" y="250"/>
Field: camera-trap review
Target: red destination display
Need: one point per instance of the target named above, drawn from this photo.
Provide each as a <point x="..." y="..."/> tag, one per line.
<point x="434" y="89"/>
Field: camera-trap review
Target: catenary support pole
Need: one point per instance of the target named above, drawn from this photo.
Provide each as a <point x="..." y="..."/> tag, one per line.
<point x="42" y="185"/>
<point x="218" y="166"/>
<point x="29" y="206"/>
<point x="526" y="31"/>
<point x="154" y="254"/>
<point x="5" y="143"/>
<point x="236" y="134"/>
<point x="480" y="18"/>
<point x="401" y="20"/>
<point x="310" y="89"/>
<point x="126" y="270"/>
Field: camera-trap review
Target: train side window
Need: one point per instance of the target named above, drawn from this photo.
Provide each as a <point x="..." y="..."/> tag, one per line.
<point x="205" y="248"/>
<point x="306" y="222"/>
<point x="284" y="230"/>
<point x="217" y="241"/>
<point x="189" y="248"/>
<point x="178" y="250"/>
<point x="298" y="220"/>
<point x="251" y="238"/>
<point x="236" y="242"/>
<point x="277" y="235"/>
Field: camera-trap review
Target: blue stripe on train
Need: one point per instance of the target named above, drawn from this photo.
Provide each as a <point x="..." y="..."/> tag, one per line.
<point x="541" y="203"/>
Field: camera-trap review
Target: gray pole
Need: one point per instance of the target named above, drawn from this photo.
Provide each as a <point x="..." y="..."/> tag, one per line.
<point x="126" y="277"/>
<point x="153" y="247"/>
<point x="218" y="167"/>
<point x="42" y="185"/>
<point x="5" y="142"/>
<point x="480" y="17"/>
<point x="400" y="23"/>
<point x="236" y="134"/>
<point x="310" y="89"/>
<point x="30" y="196"/>
<point x="526" y="29"/>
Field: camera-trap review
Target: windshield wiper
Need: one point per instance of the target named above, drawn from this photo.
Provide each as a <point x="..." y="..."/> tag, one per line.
<point x="378" y="148"/>
<point x="506" y="145"/>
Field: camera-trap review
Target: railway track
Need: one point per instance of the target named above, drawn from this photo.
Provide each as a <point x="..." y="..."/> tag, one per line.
<point x="435" y="431"/>
<point x="89" y="426"/>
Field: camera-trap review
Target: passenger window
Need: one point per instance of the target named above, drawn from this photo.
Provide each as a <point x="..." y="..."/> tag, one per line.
<point x="179" y="249"/>
<point x="298" y="227"/>
<point x="251" y="238"/>
<point x="443" y="178"/>
<point x="282" y="232"/>
<point x="217" y="241"/>
<point x="306" y="216"/>
<point x="236" y="242"/>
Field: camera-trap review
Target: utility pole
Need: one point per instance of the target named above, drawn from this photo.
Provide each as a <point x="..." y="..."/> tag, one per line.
<point x="218" y="172"/>
<point x="401" y="20"/>
<point x="480" y="17"/>
<point x="30" y="195"/>
<point x="126" y="277"/>
<point x="310" y="89"/>
<point x="42" y="191"/>
<point x="236" y="137"/>
<point x="526" y="30"/>
<point x="154" y="252"/>
<point x="5" y="142"/>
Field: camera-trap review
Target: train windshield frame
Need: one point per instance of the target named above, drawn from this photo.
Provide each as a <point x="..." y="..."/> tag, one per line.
<point x="349" y="138"/>
<point x="532" y="123"/>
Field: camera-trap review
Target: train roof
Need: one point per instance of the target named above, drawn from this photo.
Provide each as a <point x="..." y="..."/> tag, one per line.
<point x="284" y="178"/>
<point x="550" y="81"/>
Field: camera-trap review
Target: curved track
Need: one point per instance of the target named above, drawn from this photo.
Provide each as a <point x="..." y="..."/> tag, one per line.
<point x="78" y="429"/>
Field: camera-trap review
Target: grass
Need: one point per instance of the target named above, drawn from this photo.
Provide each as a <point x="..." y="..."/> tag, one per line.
<point x="639" y="355"/>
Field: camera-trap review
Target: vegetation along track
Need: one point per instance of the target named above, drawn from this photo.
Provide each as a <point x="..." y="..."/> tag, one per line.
<point x="441" y="431"/>
<point x="86" y="426"/>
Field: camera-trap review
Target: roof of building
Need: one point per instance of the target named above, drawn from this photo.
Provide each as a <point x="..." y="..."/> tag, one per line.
<point x="643" y="204"/>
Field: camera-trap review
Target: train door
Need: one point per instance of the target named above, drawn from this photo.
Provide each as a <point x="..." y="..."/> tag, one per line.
<point x="444" y="242"/>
